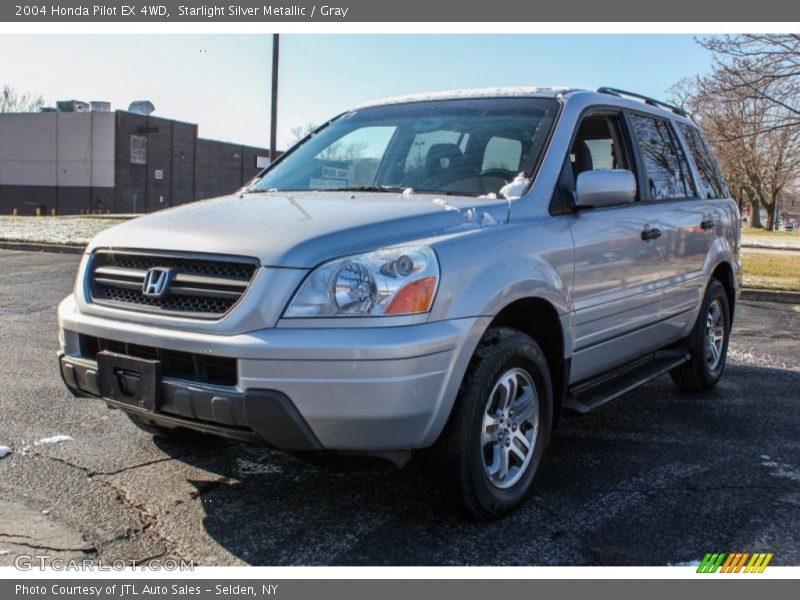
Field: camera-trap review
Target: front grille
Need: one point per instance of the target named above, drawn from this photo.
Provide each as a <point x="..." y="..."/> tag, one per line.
<point x="202" y="368"/>
<point x="200" y="287"/>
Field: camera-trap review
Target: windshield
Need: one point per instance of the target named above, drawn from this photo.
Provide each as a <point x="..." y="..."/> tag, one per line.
<point x="470" y="147"/>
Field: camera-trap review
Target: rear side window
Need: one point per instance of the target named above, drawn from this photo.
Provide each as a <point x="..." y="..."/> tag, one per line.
<point x="664" y="163"/>
<point x="712" y="185"/>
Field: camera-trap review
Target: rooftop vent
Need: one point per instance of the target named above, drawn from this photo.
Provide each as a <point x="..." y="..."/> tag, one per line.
<point x="73" y="106"/>
<point x="141" y="107"/>
<point x="100" y="106"/>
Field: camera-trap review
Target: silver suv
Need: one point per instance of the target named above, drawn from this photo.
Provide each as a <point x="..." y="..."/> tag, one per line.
<point x="445" y="273"/>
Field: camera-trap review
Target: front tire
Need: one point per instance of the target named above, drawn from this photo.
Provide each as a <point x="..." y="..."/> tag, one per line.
<point x="708" y="342"/>
<point x="485" y="461"/>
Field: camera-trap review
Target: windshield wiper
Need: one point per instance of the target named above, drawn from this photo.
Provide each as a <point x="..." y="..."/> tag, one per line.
<point x="367" y="188"/>
<point x="447" y="193"/>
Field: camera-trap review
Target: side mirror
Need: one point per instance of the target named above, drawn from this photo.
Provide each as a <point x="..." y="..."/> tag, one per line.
<point x="604" y="187"/>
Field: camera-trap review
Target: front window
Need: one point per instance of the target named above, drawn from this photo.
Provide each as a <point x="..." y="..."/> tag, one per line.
<point x="469" y="147"/>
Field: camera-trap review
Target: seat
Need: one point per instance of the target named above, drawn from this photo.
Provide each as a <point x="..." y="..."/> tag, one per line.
<point x="441" y="158"/>
<point x="583" y="157"/>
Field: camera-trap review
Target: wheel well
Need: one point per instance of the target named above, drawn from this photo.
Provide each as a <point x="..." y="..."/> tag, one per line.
<point x="724" y="274"/>
<point x="539" y="319"/>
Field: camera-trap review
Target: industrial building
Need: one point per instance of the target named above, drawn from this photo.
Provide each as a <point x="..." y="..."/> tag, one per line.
<point x="85" y="158"/>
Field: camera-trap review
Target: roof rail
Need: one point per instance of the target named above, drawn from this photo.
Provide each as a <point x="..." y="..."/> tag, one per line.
<point x="646" y="99"/>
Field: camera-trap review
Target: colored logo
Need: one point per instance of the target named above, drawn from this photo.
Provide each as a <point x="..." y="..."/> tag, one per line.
<point x="736" y="562"/>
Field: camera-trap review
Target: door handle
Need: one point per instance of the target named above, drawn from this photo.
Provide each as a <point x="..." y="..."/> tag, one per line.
<point x="651" y="234"/>
<point x="707" y="224"/>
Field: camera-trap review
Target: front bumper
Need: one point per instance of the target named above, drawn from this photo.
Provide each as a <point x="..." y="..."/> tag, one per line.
<point x="365" y="389"/>
<point x="255" y="416"/>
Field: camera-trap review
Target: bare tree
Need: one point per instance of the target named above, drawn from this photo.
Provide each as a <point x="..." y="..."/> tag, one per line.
<point x="749" y="124"/>
<point x="350" y="151"/>
<point x="763" y="66"/>
<point x="301" y="131"/>
<point x="13" y="101"/>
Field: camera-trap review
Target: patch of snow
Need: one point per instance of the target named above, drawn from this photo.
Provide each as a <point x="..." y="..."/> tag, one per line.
<point x="248" y="467"/>
<point x="490" y="196"/>
<point x="55" y="230"/>
<point x="408" y="192"/>
<point x="495" y="92"/>
<point x="4" y="451"/>
<point x="515" y="188"/>
<point x="486" y="219"/>
<point x="782" y="470"/>
<point x="443" y="203"/>
<point x="753" y="358"/>
<point x="781" y="242"/>
<point x="686" y="563"/>
<point x="56" y="439"/>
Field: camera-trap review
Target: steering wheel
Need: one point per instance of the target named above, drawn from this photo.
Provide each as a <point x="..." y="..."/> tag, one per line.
<point x="499" y="173"/>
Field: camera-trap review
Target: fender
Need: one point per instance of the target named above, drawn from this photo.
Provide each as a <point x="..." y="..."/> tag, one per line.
<point x="483" y="273"/>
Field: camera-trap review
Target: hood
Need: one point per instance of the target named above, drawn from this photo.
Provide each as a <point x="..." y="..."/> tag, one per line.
<point x="301" y="229"/>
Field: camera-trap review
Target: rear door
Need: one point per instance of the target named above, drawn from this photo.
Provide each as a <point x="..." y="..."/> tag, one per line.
<point x="687" y="220"/>
<point x="615" y="291"/>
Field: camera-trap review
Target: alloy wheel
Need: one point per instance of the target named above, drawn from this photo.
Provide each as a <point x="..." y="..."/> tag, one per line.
<point x="509" y="429"/>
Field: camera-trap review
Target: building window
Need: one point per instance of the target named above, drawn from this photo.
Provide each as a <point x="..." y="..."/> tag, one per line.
<point x="138" y="149"/>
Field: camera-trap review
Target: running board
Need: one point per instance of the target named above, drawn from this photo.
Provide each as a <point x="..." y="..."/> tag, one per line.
<point x="589" y="394"/>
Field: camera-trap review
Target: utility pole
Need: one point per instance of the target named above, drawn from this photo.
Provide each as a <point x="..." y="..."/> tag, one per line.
<point x="273" y="133"/>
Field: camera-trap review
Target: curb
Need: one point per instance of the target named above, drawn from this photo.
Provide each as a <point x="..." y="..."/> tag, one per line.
<point x="783" y="296"/>
<point x="41" y="247"/>
<point x="756" y="248"/>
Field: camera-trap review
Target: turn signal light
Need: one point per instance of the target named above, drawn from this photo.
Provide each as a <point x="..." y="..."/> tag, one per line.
<point x="414" y="297"/>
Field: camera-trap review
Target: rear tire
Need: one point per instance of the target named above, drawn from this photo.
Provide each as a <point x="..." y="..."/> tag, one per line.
<point x="708" y="342"/>
<point x="485" y="461"/>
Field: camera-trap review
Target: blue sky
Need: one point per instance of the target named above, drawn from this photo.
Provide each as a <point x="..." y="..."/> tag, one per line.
<point x="221" y="82"/>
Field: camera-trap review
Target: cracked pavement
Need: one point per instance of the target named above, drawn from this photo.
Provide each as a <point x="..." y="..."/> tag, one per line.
<point x="656" y="477"/>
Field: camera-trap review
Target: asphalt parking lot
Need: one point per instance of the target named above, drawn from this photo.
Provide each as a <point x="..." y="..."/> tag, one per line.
<point x="657" y="477"/>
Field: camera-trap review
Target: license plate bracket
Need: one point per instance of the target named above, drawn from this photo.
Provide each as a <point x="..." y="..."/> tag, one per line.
<point x="130" y="380"/>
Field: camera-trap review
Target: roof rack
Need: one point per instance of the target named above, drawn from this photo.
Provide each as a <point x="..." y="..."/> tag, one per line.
<point x="646" y="99"/>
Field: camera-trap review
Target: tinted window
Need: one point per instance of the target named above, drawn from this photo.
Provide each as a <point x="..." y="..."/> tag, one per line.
<point x="711" y="183"/>
<point x="665" y="167"/>
<point x="686" y="172"/>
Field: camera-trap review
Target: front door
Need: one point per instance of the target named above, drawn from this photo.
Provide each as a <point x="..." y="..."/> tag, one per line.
<point x="618" y="260"/>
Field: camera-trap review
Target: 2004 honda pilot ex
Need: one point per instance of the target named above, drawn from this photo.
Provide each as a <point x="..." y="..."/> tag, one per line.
<point x="446" y="272"/>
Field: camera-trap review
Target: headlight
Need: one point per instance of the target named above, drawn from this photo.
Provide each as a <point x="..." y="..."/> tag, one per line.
<point x="393" y="281"/>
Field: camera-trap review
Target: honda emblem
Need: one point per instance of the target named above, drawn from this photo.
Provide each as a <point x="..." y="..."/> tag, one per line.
<point x="156" y="282"/>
